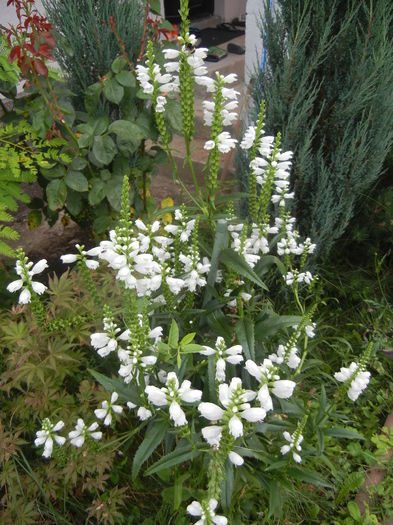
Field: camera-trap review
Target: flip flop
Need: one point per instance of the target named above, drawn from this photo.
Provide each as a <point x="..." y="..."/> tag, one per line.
<point x="235" y="49"/>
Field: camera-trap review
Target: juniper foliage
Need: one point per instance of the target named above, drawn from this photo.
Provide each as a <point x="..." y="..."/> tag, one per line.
<point x="327" y="86"/>
<point x="86" y="45"/>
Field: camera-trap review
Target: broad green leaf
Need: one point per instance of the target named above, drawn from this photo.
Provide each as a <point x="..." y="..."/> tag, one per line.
<point x="118" y="64"/>
<point x="173" y="338"/>
<point x="113" y="91"/>
<point x="126" y="79"/>
<point x="76" y="181"/>
<point x="342" y="432"/>
<point x="56" y="193"/>
<point x="181" y="454"/>
<point x="155" y="6"/>
<point x="273" y="323"/>
<point x="104" y="149"/>
<point x="101" y="223"/>
<point x="74" y="202"/>
<point x="127" y="131"/>
<point x="308" y="477"/>
<point x="276" y="501"/>
<point x="126" y="392"/>
<point x="245" y="333"/>
<point x="78" y="163"/>
<point x="97" y="192"/>
<point x="92" y="97"/>
<point x="99" y="125"/>
<point x="113" y="192"/>
<point x="354" y="511"/>
<point x="173" y="115"/>
<point x="153" y="437"/>
<point x="235" y="262"/>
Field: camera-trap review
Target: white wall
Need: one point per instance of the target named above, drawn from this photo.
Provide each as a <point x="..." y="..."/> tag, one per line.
<point x="230" y="9"/>
<point x="8" y="15"/>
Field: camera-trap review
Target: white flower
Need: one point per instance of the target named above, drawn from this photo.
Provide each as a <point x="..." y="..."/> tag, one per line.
<point x="212" y="434"/>
<point x="359" y="380"/>
<point x="267" y="376"/>
<point x="236" y="402"/>
<point x="25" y="269"/>
<point x="25" y="296"/>
<point x="47" y="435"/>
<point x="248" y="138"/>
<point x="78" y="436"/>
<point x="68" y="258"/>
<point x="294" y="441"/>
<point x="223" y="355"/>
<point x="236" y="459"/>
<point x="107" y="408"/>
<point x="39" y="267"/>
<point x="225" y="142"/>
<point x="207" y="512"/>
<point x="171" y="395"/>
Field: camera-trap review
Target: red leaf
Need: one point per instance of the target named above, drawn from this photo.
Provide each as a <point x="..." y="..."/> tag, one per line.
<point x="44" y="51"/>
<point x="40" y="68"/>
<point x="15" y="53"/>
<point x="49" y="39"/>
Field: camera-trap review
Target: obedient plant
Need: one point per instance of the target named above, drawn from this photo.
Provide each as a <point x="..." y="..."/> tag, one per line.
<point x="204" y="365"/>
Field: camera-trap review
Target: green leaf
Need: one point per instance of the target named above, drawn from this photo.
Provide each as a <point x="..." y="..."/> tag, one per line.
<point x="155" y="6"/>
<point x="235" y="262"/>
<point x="56" y="193"/>
<point x="97" y="192"/>
<point x="220" y="242"/>
<point x="126" y="79"/>
<point x="104" y="149"/>
<point x="191" y="349"/>
<point x="173" y="115"/>
<point x="76" y="181"/>
<point x="187" y="339"/>
<point x="113" y="192"/>
<point x="273" y="323"/>
<point x="127" y="131"/>
<point x="153" y="437"/>
<point x="354" y="511"/>
<point x="113" y="91"/>
<point x="78" y="163"/>
<point x="276" y="503"/>
<point x="126" y="392"/>
<point x="118" y="64"/>
<point x="227" y="486"/>
<point x="101" y="223"/>
<point x="92" y="97"/>
<point x="181" y="454"/>
<point x="308" y="477"/>
<point x="245" y="333"/>
<point x="173" y="338"/>
<point x="74" y="202"/>
<point x="342" y="432"/>
<point x="266" y="262"/>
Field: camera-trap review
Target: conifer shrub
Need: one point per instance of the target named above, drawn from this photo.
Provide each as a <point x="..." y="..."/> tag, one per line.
<point x="326" y="86"/>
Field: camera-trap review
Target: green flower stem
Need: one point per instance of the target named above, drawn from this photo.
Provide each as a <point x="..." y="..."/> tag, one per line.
<point x="216" y="468"/>
<point x="88" y="280"/>
<point x="37" y="308"/>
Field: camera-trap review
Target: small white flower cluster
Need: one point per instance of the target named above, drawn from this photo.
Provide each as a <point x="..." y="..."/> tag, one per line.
<point x="82" y="256"/>
<point x="47" y="436"/>
<point x="286" y="354"/>
<point x="235" y="401"/>
<point x="172" y="395"/>
<point x="251" y="248"/>
<point x="207" y="512"/>
<point x="25" y="269"/>
<point x="223" y="141"/>
<point x="269" y="380"/>
<point x="145" y="258"/>
<point x="357" y="379"/>
<point x="294" y="441"/>
<point x="298" y="277"/>
<point x="223" y="355"/>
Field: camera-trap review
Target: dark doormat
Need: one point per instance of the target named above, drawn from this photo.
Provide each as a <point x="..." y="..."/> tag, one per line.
<point x="212" y="36"/>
